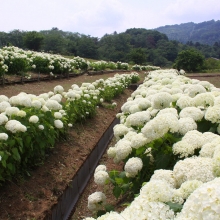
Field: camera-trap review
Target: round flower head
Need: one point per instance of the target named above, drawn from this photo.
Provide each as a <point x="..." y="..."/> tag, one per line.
<point x="133" y="166"/>
<point x="186" y="124"/>
<point x="34" y="119"/>
<point x="53" y="105"/>
<point x="4" y="105"/>
<point x="58" y="89"/>
<point x="21" y="113"/>
<point x="100" y="167"/>
<point x="96" y="201"/>
<point x="195" y="113"/>
<point x="58" y="123"/>
<point x="36" y="104"/>
<point x="203" y="203"/>
<point x="11" y="111"/>
<point x="15" y="126"/>
<point x="165" y="175"/>
<point x="57" y="115"/>
<point x="213" y="114"/>
<point x="189" y="187"/>
<point x="3" y="136"/>
<point x="41" y="127"/>
<point x="193" y="168"/>
<point x="101" y="177"/>
<point x="3" y="119"/>
<point x="161" y="100"/>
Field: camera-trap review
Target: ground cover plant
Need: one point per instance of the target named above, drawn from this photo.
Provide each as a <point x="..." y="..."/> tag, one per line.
<point x="168" y="139"/>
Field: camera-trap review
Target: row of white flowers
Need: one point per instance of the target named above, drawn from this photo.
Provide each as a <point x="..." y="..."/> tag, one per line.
<point x="14" y="60"/>
<point x="169" y="118"/>
<point x="30" y="124"/>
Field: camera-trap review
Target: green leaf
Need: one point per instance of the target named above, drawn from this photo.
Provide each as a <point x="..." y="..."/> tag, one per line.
<point x="119" y="181"/>
<point x="100" y="213"/>
<point x="175" y="206"/>
<point x="109" y="208"/>
<point x="15" y="154"/>
<point x="162" y="161"/>
<point x="117" y="191"/>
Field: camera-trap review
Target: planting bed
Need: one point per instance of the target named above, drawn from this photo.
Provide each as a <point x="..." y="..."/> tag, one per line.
<point x="33" y="196"/>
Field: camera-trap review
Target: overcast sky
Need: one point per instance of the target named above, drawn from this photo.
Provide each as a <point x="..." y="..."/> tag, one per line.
<point x="98" y="17"/>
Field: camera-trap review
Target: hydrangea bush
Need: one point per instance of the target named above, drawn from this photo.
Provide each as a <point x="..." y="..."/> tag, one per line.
<point x="168" y="139"/>
<point x="31" y="124"/>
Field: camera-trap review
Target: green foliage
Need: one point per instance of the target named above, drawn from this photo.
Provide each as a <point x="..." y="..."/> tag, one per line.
<point x="189" y="60"/>
<point x="33" y="40"/>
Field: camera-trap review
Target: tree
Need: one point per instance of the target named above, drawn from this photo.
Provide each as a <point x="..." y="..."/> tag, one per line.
<point x="138" y="56"/>
<point x="190" y="60"/>
<point x="33" y="40"/>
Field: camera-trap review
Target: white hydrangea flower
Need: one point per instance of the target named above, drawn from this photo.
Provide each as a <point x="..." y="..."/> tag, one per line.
<point x="58" y="123"/>
<point x="164" y="175"/>
<point x="58" y="115"/>
<point x="36" y="104"/>
<point x="203" y="203"/>
<point x="21" y="113"/>
<point x="183" y="149"/>
<point x="100" y="167"/>
<point x="96" y="201"/>
<point x="111" y="152"/>
<point x="205" y="100"/>
<point x="11" y="111"/>
<point x="3" y="119"/>
<point x="195" y="113"/>
<point x="193" y="168"/>
<point x="213" y="114"/>
<point x="41" y="127"/>
<point x="15" y="126"/>
<point x="195" y="89"/>
<point x="120" y="130"/>
<point x="138" y="140"/>
<point x="33" y="119"/>
<point x="3" y="136"/>
<point x="189" y="187"/>
<point x="53" y="105"/>
<point x="184" y="101"/>
<point x="186" y="124"/>
<point x="58" y="89"/>
<point x="122" y="150"/>
<point x="207" y="150"/>
<point x="195" y="138"/>
<point x="161" y="100"/>
<point x="101" y="177"/>
<point x="216" y="161"/>
<point x="133" y="166"/>
<point x="138" y="119"/>
<point x="3" y="98"/>
<point x="56" y="97"/>
<point x="4" y="105"/>
<point x="152" y="191"/>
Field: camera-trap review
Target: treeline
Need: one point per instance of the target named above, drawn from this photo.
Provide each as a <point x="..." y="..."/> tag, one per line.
<point x="134" y="46"/>
<point x="207" y="32"/>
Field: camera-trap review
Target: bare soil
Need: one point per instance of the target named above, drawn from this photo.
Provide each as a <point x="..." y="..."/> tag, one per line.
<point x="32" y="197"/>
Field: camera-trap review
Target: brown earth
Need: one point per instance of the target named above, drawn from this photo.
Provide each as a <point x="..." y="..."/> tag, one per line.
<point x="32" y="197"/>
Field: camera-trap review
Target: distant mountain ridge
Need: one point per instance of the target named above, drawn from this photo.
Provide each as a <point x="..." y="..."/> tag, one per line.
<point x="207" y="32"/>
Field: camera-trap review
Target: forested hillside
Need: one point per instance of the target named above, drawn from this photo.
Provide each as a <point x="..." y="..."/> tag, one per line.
<point x="207" y="32"/>
<point x="134" y="46"/>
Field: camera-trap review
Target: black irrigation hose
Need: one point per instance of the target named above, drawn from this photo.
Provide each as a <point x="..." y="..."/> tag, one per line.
<point x="67" y="202"/>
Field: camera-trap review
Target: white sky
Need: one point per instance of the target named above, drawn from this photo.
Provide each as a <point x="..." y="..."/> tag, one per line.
<point x="98" y="17"/>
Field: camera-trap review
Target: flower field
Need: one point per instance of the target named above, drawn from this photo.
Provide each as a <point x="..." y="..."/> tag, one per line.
<point x="31" y="124"/>
<point x="168" y="139"/>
